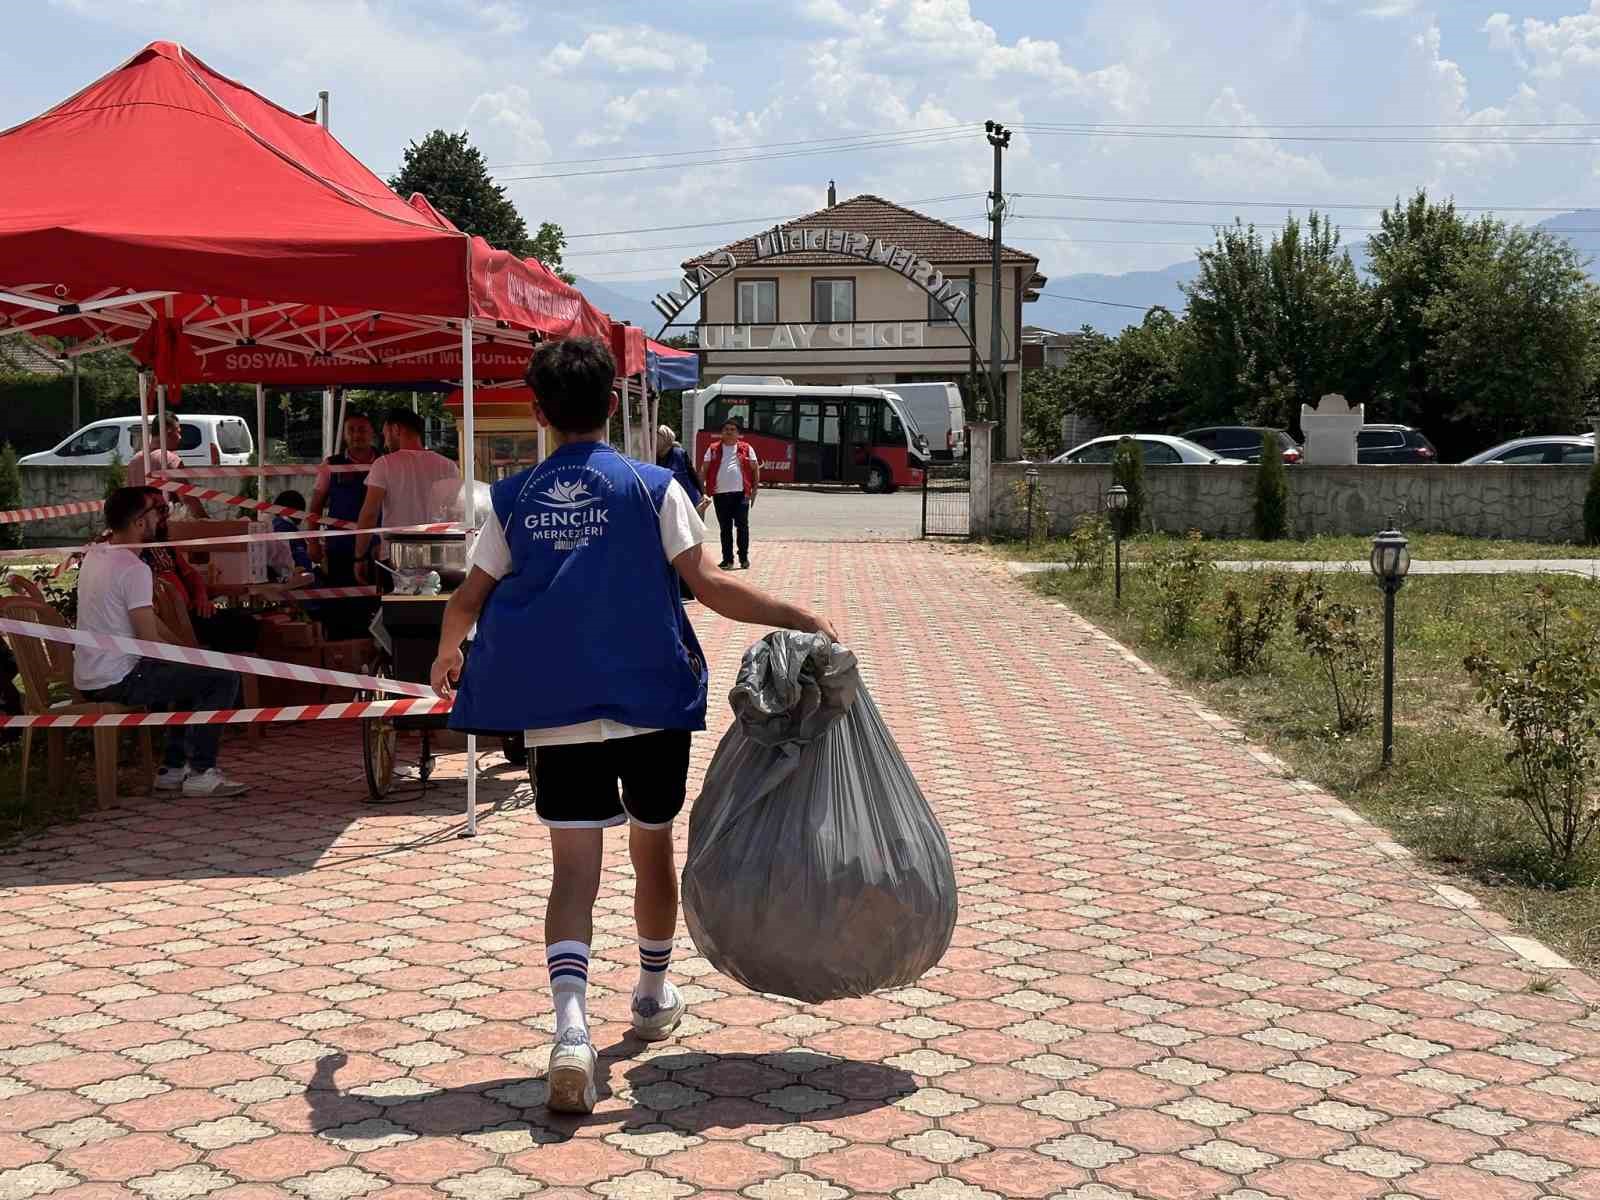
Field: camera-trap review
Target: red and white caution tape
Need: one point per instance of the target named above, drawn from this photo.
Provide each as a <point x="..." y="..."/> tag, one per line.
<point x="269" y="471"/>
<point x="232" y="501"/>
<point x="239" y="538"/>
<point x="16" y="516"/>
<point x="211" y="658"/>
<point x="364" y="710"/>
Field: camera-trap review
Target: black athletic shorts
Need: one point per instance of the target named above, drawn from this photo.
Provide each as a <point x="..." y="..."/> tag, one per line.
<point x="576" y="785"/>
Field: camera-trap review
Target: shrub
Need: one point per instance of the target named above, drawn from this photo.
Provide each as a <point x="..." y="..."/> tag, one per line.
<point x="1181" y="573"/>
<point x="1245" y="638"/>
<point x="1333" y="635"/>
<point x="116" y="476"/>
<point x="1547" y="697"/>
<point x="1090" y="542"/>
<point x="10" y="494"/>
<point x="1032" y="511"/>
<point x="1591" y="506"/>
<point x="1272" y="491"/>
<point x="1127" y="468"/>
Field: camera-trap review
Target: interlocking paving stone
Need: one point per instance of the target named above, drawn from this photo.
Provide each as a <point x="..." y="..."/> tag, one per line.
<point x="1179" y="972"/>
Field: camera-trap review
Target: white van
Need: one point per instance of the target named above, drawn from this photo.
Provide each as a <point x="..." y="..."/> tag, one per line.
<point x="939" y="412"/>
<point x="207" y="440"/>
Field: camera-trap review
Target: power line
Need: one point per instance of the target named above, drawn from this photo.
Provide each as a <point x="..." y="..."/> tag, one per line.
<point x="1218" y="224"/>
<point x="1274" y="204"/>
<point x="750" y="220"/>
<point x="1368" y="139"/>
<point x="693" y="245"/>
<point x="1329" y="124"/>
<point x="971" y="126"/>
<point x="912" y="142"/>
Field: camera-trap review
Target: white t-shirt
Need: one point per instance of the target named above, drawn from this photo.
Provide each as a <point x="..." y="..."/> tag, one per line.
<point x="112" y="582"/>
<point x="730" y="474"/>
<point x="681" y="529"/>
<point x="407" y="478"/>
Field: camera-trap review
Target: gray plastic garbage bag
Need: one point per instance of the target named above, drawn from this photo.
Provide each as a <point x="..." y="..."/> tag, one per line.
<point x="816" y="869"/>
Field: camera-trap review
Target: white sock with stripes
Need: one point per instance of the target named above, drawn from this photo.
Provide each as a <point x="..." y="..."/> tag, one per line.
<point x="569" y="984"/>
<point x="654" y="958"/>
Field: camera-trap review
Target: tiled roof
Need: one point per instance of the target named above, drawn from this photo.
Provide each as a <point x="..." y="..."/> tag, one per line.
<point x="24" y="354"/>
<point x="937" y="241"/>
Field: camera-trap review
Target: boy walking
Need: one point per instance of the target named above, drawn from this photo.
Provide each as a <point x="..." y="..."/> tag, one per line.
<point x="579" y="562"/>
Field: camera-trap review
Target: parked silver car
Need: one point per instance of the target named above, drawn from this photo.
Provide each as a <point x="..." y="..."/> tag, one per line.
<point x="1547" y="450"/>
<point x="1159" y="449"/>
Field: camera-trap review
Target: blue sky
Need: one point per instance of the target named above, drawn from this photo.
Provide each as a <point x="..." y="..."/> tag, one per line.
<point x="554" y="82"/>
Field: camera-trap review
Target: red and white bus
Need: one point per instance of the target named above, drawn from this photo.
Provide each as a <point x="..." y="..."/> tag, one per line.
<point x="805" y="434"/>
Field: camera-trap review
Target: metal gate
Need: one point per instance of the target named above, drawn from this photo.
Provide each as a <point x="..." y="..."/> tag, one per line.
<point x="946" y="499"/>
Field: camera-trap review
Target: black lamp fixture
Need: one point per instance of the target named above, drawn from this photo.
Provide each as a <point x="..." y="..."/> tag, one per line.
<point x="1391" y="563"/>
<point x="1116" y="505"/>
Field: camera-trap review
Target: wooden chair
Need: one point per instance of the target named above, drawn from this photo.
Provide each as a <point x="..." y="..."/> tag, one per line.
<point x="174" y="614"/>
<point x="45" y="675"/>
<point x="23" y="586"/>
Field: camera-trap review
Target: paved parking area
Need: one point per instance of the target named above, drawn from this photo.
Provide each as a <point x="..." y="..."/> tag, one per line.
<point x="1178" y="974"/>
<point x="829" y="515"/>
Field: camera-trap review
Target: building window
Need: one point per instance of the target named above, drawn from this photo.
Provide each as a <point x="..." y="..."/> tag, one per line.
<point x="833" y="300"/>
<point x="938" y="314"/>
<point x="757" y="302"/>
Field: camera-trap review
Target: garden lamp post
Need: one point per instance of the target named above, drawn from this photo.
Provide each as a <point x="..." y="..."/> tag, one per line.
<point x="1032" y="476"/>
<point x="1116" y="505"/>
<point x="1391" y="561"/>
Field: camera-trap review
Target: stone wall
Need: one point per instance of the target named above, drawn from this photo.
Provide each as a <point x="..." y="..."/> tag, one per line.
<point x="63" y="485"/>
<point x="1533" y="503"/>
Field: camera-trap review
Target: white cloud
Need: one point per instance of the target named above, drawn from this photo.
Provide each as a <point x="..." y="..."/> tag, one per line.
<point x="1552" y="48"/>
<point x="503" y="125"/>
<point x="1389" y="10"/>
<point x="632" y="48"/>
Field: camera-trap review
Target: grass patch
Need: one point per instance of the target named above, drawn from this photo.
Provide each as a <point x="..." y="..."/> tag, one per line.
<point x="1438" y="547"/>
<point x="1447" y="795"/>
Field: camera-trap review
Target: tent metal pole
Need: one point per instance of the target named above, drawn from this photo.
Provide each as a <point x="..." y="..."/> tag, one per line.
<point x="327" y="422"/>
<point x="261" y="440"/>
<point x="144" y="422"/>
<point x="338" y="428"/>
<point x="77" y="411"/>
<point x="469" y="510"/>
<point x="627" y="426"/>
<point x="161" y="426"/>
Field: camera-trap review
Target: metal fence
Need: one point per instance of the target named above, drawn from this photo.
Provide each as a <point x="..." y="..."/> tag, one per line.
<point x="946" y="500"/>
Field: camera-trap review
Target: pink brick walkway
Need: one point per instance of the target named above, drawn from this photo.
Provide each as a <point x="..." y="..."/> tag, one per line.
<point x="1178" y="974"/>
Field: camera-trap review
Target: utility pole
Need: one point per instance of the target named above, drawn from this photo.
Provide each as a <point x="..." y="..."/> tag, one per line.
<point x="1000" y="139"/>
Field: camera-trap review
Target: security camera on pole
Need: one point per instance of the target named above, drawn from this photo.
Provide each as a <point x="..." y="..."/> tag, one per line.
<point x="1000" y="139"/>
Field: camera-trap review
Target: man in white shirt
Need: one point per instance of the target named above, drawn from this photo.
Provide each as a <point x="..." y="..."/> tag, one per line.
<point x="116" y="595"/>
<point x="400" y="484"/>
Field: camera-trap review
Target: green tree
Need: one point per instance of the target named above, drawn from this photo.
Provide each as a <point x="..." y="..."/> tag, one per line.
<point x="450" y="171"/>
<point x="10" y="495"/>
<point x="1081" y="385"/>
<point x="1276" y="325"/>
<point x="116" y="475"/>
<point x="1148" y="387"/>
<point x="1509" y="340"/>
<point x="1409" y="258"/>
<point x="1272" y="492"/>
<point x="1127" y="468"/>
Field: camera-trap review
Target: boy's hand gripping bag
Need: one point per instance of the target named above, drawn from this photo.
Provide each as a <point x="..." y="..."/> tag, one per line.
<point x="816" y="869"/>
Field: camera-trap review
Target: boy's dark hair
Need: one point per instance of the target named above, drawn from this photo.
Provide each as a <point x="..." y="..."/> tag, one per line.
<point x="155" y="422"/>
<point x="406" y="419"/>
<point x="125" y="505"/>
<point x="352" y="415"/>
<point x="735" y="422"/>
<point x="290" y="499"/>
<point x="573" y="379"/>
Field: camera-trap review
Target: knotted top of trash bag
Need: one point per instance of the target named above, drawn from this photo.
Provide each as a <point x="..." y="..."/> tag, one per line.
<point x="792" y="687"/>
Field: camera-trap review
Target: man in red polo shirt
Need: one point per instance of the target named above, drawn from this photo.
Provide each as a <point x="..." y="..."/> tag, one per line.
<point x="732" y="471"/>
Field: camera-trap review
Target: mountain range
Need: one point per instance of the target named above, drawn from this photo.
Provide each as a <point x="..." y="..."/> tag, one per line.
<point x="1068" y="300"/>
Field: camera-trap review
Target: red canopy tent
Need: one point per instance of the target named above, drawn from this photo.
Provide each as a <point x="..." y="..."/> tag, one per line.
<point x="172" y="210"/>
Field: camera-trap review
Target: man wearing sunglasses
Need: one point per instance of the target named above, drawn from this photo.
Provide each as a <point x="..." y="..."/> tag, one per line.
<point x="116" y="595"/>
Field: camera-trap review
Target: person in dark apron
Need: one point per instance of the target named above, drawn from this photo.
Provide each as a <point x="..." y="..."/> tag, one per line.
<point x="340" y="495"/>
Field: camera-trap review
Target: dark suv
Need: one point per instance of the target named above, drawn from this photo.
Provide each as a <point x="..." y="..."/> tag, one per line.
<point x="1393" y="444"/>
<point x="1243" y="441"/>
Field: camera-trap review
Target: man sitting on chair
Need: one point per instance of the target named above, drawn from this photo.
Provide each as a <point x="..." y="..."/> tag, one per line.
<point x="116" y="595"/>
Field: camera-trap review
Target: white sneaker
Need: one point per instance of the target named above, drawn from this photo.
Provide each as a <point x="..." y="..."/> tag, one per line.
<point x="212" y="782"/>
<point x="170" y="779"/>
<point x="654" y="1020"/>
<point x="571" y="1075"/>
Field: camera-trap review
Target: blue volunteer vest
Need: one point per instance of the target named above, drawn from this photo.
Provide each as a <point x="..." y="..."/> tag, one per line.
<point x="347" y="490"/>
<point x="588" y="624"/>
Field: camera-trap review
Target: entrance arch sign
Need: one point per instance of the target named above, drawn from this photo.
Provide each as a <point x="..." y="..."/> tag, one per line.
<point x="775" y="243"/>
